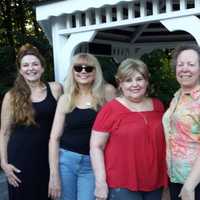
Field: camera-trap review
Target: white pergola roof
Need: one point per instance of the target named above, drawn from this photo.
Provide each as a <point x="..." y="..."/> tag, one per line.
<point x="69" y="13"/>
<point x="131" y="27"/>
<point x="58" y="8"/>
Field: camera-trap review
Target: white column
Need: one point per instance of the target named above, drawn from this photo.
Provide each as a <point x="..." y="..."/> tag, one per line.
<point x="190" y="24"/>
<point x="57" y="41"/>
<point x="64" y="48"/>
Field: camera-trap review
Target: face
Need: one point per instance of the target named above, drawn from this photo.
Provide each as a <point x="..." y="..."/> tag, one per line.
<point x="188" y="69"/>
<point x="83" y="73"/>
<point x="31" y="68"/>
<point x="134" y="88"/>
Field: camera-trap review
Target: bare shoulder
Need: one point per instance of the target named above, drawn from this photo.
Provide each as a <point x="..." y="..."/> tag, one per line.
<point x="62" y="99"/>
<point x="7" y="99"/>
<point x="6" y="109"/>
<point x="110" y="92"/>
<point x="56" y="89"/>
<point x="61" y="103"/>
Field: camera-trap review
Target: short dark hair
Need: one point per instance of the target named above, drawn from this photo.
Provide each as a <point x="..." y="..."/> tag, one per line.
<point x="181" y="48"/>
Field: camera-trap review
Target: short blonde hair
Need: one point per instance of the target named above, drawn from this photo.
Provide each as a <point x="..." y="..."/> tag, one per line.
<point x="71" y="87"/>
<point x="129" y="66"/>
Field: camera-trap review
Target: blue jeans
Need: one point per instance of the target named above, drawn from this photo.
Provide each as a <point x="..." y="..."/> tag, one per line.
<point x="125" y="194"/>
<point x="77" y="178"/>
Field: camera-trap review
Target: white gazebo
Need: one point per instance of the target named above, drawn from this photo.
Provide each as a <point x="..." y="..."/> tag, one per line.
<point x="127" y="28"/>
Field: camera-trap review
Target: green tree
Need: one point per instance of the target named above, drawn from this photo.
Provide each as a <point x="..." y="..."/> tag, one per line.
<point x="18" y="26"/>
<point x="162" y="80"/>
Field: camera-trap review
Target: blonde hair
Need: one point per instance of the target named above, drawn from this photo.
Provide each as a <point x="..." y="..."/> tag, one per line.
<point x="71" y="88"/>
<point x="127" y="68"/>
<point x="21" y="104"/>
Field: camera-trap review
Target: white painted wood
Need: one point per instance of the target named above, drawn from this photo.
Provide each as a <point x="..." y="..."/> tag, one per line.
<point x="136" y="21"/>
<point x="66" y="38"/>
<point x="46" y="24"/>
<point x="66" y="51"/>
<point x="142" y="8"/>
<point x="88" y="18"/>
<point x="155" y="7"/>
<point x="108" y="14"/>
<point x="58" y="53"/>
<point x="70" y="6"/>
<point x="119" y="12"/>
<point x="197" y="3"/>
<point x="98" y="16"/>
<point x="184" y="24"/>
<point x="68" y="22"/>
<point x="168" y="6"/>
<point x="183" y="4"/>
<point x="131" y="8"/>
<point x="78" y="19"/>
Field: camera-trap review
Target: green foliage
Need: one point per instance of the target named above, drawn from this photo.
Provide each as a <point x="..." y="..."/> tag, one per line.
<point x="162" y="80"/>
<point x="18" y="26"/>
<point x="7" y="68"/>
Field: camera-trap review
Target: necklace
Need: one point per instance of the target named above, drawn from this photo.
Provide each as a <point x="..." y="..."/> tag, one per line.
<point x="139" y="110"/>
<point x="89" y="104"/>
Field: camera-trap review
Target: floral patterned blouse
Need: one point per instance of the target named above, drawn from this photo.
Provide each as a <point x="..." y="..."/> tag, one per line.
<point x="182" y="132"/>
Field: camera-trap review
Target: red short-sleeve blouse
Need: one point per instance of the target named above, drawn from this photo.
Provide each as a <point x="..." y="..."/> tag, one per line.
<point x="135" y="151"/>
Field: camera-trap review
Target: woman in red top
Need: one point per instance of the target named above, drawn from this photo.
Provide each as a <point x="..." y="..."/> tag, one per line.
<point x="127" y="142"/>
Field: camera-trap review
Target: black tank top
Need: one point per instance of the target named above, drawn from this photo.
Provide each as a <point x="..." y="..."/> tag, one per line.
<point x="77" y="130"/>
<point x="34" y="138"/>
<point x="28" y="151"/>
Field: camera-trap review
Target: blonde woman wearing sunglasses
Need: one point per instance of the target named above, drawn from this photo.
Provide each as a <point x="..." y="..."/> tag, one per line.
<point x="71" y="175"/>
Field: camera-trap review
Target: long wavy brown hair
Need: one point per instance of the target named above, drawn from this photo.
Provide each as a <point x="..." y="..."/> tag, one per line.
<point x="22" y="109"/>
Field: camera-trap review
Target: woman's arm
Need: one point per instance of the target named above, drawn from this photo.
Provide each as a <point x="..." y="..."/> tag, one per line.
<point x="6" y="122"/>
<point x="57" y="89"/>
<point x="97" y="144"/>
<point x="56" y="133"/>
<point x="187" y="192"/>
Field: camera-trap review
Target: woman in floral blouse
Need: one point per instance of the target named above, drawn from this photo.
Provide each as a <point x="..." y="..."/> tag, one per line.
<point x="182" y="126"/>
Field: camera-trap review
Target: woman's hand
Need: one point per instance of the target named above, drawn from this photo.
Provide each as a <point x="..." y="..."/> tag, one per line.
<point x="186" y="193"/>
<point x="54" y="187"/>
<point x="10" y="171"/>
<point x="101" y="191"/>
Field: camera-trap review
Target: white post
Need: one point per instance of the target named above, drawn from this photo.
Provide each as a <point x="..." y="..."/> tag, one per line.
<point x="168" y="6"/>
<point x="131" y="10"/>
<point x="57" y="41"/>
<point x="155" y="7"/>
<point x="64" y="51"/>
<point x="88" y="18"/>
<point x="108" y="14"/>
<point x="98" y="16"/>
<point x="119" y="12"/>
<point x="78" y="19"/>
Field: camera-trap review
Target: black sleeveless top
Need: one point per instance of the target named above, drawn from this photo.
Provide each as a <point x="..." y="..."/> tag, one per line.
<point x="44" y="114"/>
<point x="77" y="130"/>
<point x="28" y="151"/>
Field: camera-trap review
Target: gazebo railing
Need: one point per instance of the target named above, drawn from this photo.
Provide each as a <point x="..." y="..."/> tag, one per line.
<point x="127" y="13"/>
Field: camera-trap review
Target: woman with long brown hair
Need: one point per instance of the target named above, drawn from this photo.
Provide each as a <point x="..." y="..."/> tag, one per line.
<point x="26" y="119"/>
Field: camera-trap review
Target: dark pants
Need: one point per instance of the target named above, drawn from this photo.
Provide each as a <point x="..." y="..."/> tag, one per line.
<point x="124" y="194"/>
<point x="175" y="189"/>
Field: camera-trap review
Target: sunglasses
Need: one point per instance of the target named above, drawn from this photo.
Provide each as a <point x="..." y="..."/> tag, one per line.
<point x="87" y="68"/>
